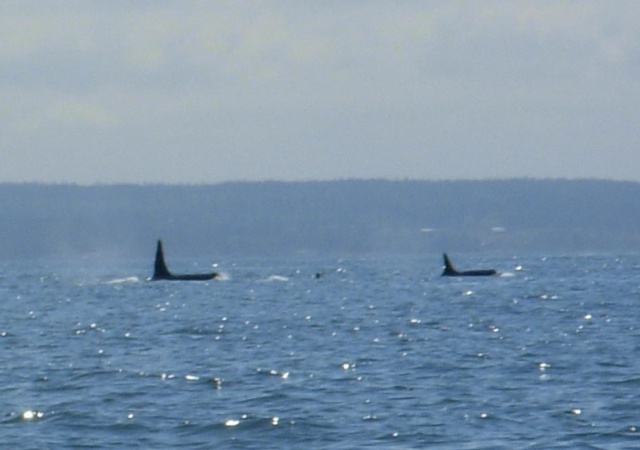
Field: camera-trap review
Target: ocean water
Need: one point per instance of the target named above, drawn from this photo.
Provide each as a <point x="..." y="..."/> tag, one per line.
<point x="378" y="352"/>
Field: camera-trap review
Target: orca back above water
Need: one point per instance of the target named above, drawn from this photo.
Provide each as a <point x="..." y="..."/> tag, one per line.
<point x="161" y="271"/>
<point x="451" y="271"/>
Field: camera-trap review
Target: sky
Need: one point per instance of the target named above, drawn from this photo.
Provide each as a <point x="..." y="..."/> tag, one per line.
<point x="185" y="91"/>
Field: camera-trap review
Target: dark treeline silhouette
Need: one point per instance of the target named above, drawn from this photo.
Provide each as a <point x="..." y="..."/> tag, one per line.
<point x="350" y="216"/>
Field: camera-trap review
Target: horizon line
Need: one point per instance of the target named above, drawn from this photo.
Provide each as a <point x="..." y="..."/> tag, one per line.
<point x="311" y="181"/>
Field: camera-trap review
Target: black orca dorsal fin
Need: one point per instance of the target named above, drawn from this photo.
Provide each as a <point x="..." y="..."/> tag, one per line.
<point x="160" y="269"/>
<point x="448" y="266"/>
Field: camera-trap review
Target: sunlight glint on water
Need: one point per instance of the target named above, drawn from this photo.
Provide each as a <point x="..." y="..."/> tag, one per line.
<point x="361" y="357"/>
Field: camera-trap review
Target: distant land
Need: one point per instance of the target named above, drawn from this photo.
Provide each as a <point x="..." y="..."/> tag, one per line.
<point x="324" y="217"/>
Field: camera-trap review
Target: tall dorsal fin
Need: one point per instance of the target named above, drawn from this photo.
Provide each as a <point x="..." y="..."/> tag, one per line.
<point x="448" y="266"/>
<point x="160" y="269"/>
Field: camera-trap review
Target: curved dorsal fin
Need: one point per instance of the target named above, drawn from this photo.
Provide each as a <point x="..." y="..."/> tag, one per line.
<point x="448" y="266"/>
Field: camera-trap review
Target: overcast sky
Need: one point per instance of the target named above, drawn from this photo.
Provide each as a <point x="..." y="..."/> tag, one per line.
<point x="211" y="91"/>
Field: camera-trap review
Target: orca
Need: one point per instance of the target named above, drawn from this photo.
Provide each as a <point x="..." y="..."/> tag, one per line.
<point x="161" y="272"/>
<point x="450" y="271"/>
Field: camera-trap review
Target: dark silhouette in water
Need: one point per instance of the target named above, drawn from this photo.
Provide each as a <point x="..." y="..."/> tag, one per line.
<point x="450" y="271"/>
<point x="161" y="272"/>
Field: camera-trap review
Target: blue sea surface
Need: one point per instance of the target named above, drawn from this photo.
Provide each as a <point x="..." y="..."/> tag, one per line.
<point x="376" y="352"/>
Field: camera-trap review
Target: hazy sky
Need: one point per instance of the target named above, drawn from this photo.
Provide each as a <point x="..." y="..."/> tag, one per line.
<point x="210" y="91"/>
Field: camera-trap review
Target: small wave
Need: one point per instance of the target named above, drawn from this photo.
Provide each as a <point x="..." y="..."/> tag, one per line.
<point x="197" y="331"/>
<point x="277" y="278"/>
<point x="216" y="382"/>
<point x="124" y="280"/>
<point x="247" y="421"/>
<point x="635" y="381"/>
<point x="274" y="373"/>
<point x="24" y="416"/>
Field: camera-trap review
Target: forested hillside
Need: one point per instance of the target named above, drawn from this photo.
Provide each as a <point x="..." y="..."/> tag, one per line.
<point x="342" y="217"/>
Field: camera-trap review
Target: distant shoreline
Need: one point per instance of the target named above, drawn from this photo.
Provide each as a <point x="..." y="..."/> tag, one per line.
<point x="321" y="217"/>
